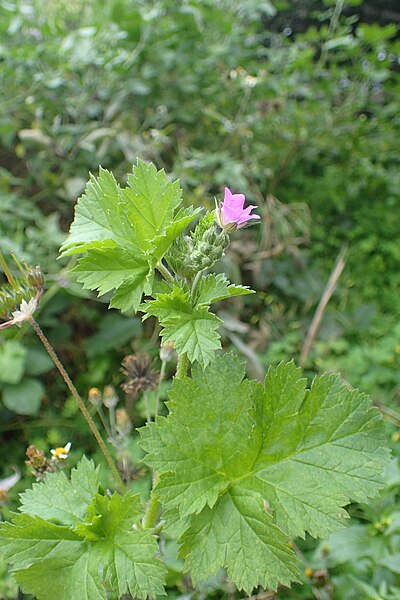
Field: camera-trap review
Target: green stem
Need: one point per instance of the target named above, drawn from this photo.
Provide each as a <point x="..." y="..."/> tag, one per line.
<point x="111" y="412"/>
<point x="160" y="379"/>
<point x="104" y="420"/>
<point x="78" y="400"/>
<point x="182" y="366"/>
<point x="164" y="272"/>
<point x="147" y="405"/>
<point x="153" y="508"/>
<point x="195" y="283"/>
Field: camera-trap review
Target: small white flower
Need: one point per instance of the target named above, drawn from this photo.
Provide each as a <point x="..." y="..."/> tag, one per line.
<point x="61" y="453"/>
<point x="26" y="311"/>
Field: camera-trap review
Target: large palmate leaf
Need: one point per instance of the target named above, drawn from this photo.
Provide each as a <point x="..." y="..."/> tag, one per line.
<point x="230" y="447"/>
<point x="124" y="232"/>
<point x="192" y="328"/>
<point x="59" y="549"/>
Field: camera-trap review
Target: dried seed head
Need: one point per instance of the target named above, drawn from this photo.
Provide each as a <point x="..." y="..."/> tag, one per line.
<point x="39" y="464"/>
<point x="138" y="369"/>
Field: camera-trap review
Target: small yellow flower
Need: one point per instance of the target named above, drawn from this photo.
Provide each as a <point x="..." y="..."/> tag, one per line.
<point x="61" y="453"/>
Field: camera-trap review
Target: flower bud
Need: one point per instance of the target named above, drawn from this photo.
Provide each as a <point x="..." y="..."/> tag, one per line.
<point x="124" y="425"/>
<point x="189" y="255"/>
<point x="95" y="397"/>
<point x="167" y="352"/>
<point x="110" y="398"/>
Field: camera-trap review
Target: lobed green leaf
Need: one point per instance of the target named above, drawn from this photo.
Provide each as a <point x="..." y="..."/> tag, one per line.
<point x="95" y="545"/>
<point x="230" y="446"/>
<point x="191" y="328"/>
<point x="124" y="232"/>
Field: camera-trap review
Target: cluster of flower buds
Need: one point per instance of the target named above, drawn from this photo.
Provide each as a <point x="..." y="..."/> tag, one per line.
<point x="190" y="254"/>
<point x="108" y="397"/>
<point x="19" y="297"/>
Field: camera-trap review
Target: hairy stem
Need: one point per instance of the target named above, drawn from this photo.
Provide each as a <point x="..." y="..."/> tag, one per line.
<point x="78" y="400"/>
<point x="164" y="272"/>
<point x="153" y="508"/>
<point x="103" y="419"/>
<point x="182" y="366"/>
<point x="147" y="405"/>
<point x="195" y="283"/>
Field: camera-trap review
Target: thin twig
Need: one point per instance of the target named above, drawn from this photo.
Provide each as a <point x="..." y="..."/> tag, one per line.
<point x="389" y="413"/>
<point x="78" y="400"/>
<point x="326" y="296"/>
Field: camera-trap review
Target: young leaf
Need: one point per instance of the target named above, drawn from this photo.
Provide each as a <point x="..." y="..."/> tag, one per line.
<point x="98" y="216"/>
<point x="124" y="232"/>
<point x="305" y="454"/>
<point x="193" y="329"/>
<point x="83" y="556"/>
<point x="150" y="201"/>
<point x="163" y="241"/>
<point x="213" y="288"/>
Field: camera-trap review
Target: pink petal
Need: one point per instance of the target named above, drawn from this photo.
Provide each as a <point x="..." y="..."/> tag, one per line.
<point x="246" y="216"/>
<point x="233" y="201"/>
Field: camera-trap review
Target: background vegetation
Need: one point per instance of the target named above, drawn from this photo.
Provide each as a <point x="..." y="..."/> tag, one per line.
<point x="294" y="104"/>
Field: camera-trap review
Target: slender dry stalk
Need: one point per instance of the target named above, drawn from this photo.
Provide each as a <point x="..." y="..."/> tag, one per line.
<point x="326" y="296"/>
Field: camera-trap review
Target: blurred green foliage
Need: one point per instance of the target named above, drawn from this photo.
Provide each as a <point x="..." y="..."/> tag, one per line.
<point x="303" y="119"/>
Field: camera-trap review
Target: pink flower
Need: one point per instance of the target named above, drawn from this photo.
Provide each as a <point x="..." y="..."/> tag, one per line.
<point x="231" y="215"/>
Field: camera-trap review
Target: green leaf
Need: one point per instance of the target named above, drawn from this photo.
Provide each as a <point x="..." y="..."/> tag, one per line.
<point x="95" y="547"/>
<point x="38" y="361"/>
<point x="125" y="232"/>
<point x="61" y="499"/>
<point x="237" y="533"/>
<point x="99" y="216"/>
<point x="213" y="288"/>
<point x="25" y="397"/>
<point x="150" y="200"/>
<point x="114" y="331"/>
<point x="12" y="361"/>
<point x="191" y="328"/>
<point x="303" y="454"/>
<point x="163" y="241"/>
<point x="105" y="269"/>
